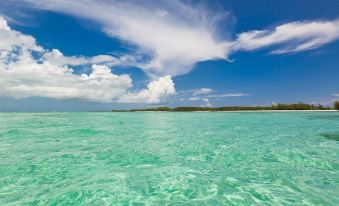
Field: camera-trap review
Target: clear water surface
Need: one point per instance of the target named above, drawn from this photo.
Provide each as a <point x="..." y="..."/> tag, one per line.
<point x="159" y="158"/>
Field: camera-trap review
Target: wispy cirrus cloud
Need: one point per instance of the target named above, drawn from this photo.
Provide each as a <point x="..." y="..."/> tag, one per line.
<point x="174" y="34"/>
<point x="291" y="37"/>
<point x="207" y="95"/>
<point x="227" y="95"/>
<point x="202" y="91"/>
<point x="206" y="98"/>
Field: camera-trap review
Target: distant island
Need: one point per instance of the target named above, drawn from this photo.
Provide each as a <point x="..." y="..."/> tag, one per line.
<point x="296" y="106"/>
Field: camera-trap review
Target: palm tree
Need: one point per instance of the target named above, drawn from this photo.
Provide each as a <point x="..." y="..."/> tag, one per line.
<point x="336" y="105"/>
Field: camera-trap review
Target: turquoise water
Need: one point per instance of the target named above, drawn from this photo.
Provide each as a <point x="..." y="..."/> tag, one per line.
<point x="169" y="158"/>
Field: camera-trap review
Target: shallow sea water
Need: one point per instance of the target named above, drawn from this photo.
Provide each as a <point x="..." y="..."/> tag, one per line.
<point x="160" y="158"/>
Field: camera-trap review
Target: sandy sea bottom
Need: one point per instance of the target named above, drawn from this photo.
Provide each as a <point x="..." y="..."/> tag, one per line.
<point x="169" y="158"/>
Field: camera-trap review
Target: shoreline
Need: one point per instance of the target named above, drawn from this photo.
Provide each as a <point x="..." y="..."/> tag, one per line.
<point x="239" y="111"/>
<point x="263" y="111"/>
<point x="282" y="111"/>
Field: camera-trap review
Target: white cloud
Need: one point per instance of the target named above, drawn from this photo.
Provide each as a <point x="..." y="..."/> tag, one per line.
<point x="206" y="95"/>
<point x="202" y="91"/>
<point x="336" y="95"/>
<point x="206" y="103"/>
<point x="190" y="99"/>
<point x="290" y="37"/>
<point x="11" y="39"/>
<point x="176" y="35"/>
<point x="56" y="57"/>
<point x="3" y="24"/>
<point x="227" y="95"/>
<point x="194" y="98"/>
<point x="157" y="91"/>
<point x="49" y="75"/>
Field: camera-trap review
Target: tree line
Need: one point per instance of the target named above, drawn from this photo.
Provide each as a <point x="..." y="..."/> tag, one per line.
<point x="296" y="106"/>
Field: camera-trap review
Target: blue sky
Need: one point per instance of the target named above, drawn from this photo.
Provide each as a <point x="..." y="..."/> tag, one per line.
<point x="101" y="55"/>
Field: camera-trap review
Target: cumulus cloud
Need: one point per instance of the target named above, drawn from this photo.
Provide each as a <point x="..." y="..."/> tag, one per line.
<point x="290" y="37"/>
<point x="156" y="92"/>
<point x="175" y="35"/>
<point x="206" y="103"/>
<point x="23" y="75"/>
<point x="11" y="40"/>
<point x="56" y="57"/>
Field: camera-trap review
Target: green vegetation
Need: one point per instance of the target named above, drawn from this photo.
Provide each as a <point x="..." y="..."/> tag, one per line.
<point x="336" y="105"/>
<point x="296" y="106"/>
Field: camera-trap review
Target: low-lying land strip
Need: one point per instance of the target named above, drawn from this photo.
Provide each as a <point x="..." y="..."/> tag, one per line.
<point x="275" y="107"/>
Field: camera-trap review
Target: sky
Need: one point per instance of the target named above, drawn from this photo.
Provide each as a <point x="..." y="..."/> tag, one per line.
<point x="96" y="55"/>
